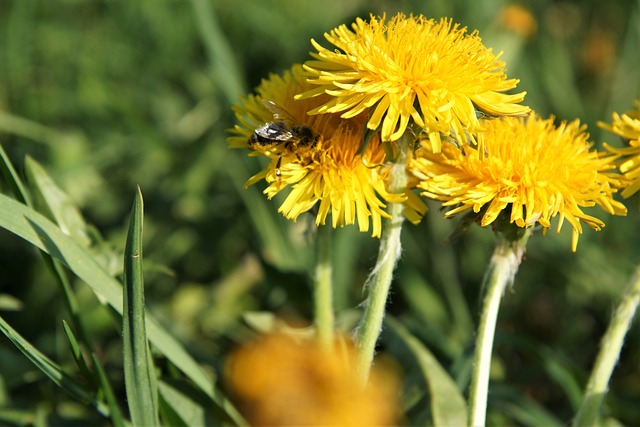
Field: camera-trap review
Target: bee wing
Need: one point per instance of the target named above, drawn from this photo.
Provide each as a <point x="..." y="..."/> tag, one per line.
<point x="278" y="112"/>
<point x="276" y="131"/>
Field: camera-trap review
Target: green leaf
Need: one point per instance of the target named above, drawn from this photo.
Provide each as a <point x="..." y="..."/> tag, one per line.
<point x="50" y="368"/>
<point x="55" y="203"/>
<point x="100" y="377"/>
<point x="43" y="234"/>
<point x="24" y="196"/>
<point x="182" y="405"/>
<point x="77" y="352"/>
<point x="448" y="407"/>
<point x="12" y="177"/>
<point x="107" y="390"/>
<point x="140" y="385"/>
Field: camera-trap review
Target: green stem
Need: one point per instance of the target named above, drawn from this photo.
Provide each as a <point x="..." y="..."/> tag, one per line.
<point x="323" y="288"/>
<point x="379" y="280"/>
<point x="500" y="273"/>
<point x="608" y="356"/>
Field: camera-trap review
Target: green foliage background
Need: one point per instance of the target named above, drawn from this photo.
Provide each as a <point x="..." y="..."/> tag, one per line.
<point x="109" y="94"/>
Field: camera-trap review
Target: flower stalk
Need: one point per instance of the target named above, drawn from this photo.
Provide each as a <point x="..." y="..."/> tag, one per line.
<point x="323" y="288"/>
<point x="501" y="273"/>
<point x="379" y="281"/>
<point x="609" y="353"/>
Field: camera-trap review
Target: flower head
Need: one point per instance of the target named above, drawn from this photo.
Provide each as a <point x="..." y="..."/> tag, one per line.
<point x="628" y="127"/>
<point x="411" y="68"/>
<point x="282" y="382"/>
<point x="532" y="168"/>
<point x="332" y="173"/>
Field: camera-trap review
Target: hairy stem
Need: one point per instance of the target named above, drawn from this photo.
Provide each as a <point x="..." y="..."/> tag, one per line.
<point x="501" y="272"/>
<point x="607" y="358"/>
<point x="379" y="280"/>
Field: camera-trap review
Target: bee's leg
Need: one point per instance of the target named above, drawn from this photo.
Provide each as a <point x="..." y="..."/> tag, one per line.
<point x="278" y="172"/>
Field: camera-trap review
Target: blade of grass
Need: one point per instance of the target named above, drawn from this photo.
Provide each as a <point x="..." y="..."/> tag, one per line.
<point x="184" y="405"/>
<point x="181" y="404"/>
<point x="107" y="390"/>
<point x="77" y="353"/>
<point x="448" y="407"/>
<point x="54" y="203"/>
<point x="169" y="415"/>
<point x="51" y="369"/>
<point x="13" y="179"/>
<point x="43" y="234"/>
<point x="99" y="378"/>
<point x="39" y="175"/>
<point x="142" y="394"/>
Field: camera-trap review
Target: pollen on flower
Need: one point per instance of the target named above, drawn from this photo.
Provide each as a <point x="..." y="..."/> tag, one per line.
<point x="435" y="74"/>
<point x="533" y="171"/>
<point x="279" y="381"/>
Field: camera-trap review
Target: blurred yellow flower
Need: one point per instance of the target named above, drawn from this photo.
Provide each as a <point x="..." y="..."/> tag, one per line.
<point x="411" y="68"/>
<point x="518" y="19"/>
<point x="532" y="168"/>
<point x="628" y="127"/>
<point x="330" y="172"/>
<point x="282" y="382"/>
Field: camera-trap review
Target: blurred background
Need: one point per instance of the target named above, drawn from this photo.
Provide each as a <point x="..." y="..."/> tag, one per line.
<point x="110" y="94"/>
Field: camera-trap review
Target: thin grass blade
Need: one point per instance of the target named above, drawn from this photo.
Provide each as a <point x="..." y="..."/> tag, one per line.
<point x="51" y="200"/>
<point x="116" y="415"/>
<point x="142" y="394"/>
<point x="182" y="405"/>
<point x="77" y="353"/>
<point x="33" y="227"/>
<point x="13" y="179"/>
<point x="51" y="369"/>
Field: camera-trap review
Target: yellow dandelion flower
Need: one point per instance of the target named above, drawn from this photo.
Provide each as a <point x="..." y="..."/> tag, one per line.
<point x="342" y="182"/>
<point x="411" y="68"/>
<point x="532" y="168"/>
<point x="330" y="172"/>
<point x="281" y="382"/>
<point x="628" y="127"/>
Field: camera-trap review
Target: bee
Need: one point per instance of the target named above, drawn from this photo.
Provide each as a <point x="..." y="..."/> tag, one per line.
<point x="284" y="132"/>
